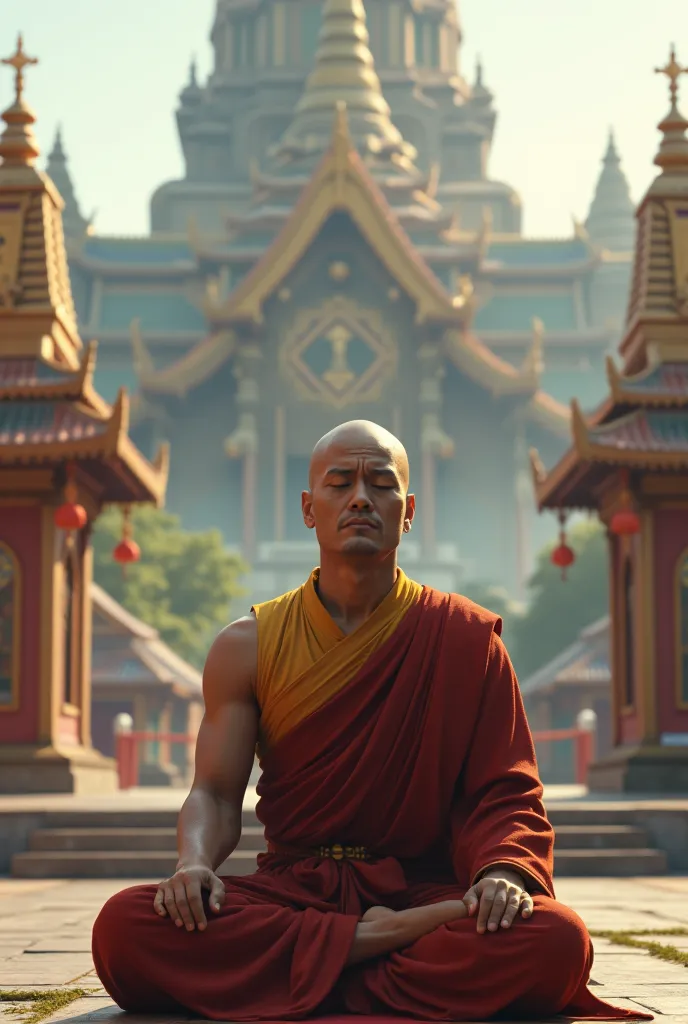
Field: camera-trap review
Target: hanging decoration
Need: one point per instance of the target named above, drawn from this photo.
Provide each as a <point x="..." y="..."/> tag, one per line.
<point x="563" y="556"/>
<point x="625" y="522"/>
<point x="127" y="551"/>
<point x="70" y="515"/>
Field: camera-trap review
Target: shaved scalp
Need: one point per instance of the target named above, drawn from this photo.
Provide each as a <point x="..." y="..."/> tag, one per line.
<point x="355" y="433"/>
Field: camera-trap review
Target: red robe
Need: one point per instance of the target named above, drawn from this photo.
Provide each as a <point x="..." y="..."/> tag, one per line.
<point x="424" y="758"/>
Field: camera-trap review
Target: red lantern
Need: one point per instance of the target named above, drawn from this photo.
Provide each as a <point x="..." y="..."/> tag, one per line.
<point x="563" y="556"/>
<point x="127" y="551"/>
<point x="625" y="523"/>
<point x="70" y="515"/>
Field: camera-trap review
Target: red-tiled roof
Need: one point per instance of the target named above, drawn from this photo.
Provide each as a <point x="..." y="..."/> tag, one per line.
<point x="646" y="431"/>
<point x="46" y="423"/>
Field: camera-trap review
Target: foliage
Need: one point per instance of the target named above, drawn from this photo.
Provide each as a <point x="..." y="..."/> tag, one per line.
<point x="558" y="610"/>
<point x="183" y="585"/>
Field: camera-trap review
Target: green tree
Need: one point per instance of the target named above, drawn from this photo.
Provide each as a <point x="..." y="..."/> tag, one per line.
<point x="183" y="585"/>
<point x="558" y="610"/>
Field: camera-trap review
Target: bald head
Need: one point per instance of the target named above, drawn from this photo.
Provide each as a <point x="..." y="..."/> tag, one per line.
<point x="359" y="437"/>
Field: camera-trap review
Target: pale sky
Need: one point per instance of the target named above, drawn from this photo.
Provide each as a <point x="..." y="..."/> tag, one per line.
<point x="562" y="72"/>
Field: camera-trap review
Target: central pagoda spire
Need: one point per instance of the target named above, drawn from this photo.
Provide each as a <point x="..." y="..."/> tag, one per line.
<point x="344" y="72"/>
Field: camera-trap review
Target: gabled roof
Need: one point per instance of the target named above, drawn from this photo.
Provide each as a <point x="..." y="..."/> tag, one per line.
<point x="129" y="652"/>
<point x="584" y="662"/>
<point x="341" y="182"/>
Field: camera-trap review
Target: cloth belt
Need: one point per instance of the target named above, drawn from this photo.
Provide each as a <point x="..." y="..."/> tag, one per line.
<point x="335" y="851"/>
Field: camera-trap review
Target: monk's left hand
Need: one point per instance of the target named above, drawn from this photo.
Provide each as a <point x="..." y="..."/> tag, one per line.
<point x="497" y="898"/>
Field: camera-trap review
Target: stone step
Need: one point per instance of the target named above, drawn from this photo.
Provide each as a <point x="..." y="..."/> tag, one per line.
<point x="125" y="819"/>
<point x="611" y="863"/>
<point x="599" y="837"/>
<point x="110" y="840"/>
<point x="583" y="815"/>
<point x="145" y="864"/>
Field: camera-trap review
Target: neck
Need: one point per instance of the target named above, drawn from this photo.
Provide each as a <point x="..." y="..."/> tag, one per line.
<point x="351" y="592"/>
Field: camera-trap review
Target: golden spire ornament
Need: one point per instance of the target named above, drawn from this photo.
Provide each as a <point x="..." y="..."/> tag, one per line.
<point x="18" y="148"/>
<point x="673" y="70"/>
<point x="19" y="60"/>
<point x="673" y="149"/>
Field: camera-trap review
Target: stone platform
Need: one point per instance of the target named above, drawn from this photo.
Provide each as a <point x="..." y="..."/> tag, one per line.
<point x="132" y="834"/>
<point x="45" y="931"/>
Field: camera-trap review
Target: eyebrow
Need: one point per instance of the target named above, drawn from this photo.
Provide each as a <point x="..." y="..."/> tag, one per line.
<point x="347" y="471"/>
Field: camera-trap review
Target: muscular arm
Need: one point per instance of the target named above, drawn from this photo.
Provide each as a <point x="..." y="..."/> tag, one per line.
<point x="209" y="825"/>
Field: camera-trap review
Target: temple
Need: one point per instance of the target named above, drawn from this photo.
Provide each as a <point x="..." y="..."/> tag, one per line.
<point x="337" y="248"/>
<point x="629" y="463"/>
<point x="64" y="453"/>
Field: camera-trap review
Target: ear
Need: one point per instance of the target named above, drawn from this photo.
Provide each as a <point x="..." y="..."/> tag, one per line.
<point x="410" y="507"/>
<point x="307" y="509"/>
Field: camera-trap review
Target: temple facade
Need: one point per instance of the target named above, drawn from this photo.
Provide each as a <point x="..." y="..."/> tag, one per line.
<point x="337" y="248"/>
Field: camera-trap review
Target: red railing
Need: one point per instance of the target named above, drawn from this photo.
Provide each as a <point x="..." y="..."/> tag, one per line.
<point x="127" y="752"/>
<point x="127" y="749"/>
<point x="584" y="747"/>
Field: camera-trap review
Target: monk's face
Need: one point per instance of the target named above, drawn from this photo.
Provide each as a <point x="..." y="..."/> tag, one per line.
<point x="358" y="502"/>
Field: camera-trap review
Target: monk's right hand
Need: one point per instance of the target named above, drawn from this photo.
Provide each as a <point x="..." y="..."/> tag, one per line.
<point x="181" y="896"/>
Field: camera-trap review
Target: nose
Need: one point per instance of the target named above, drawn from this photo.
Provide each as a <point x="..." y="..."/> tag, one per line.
<point x="360" y="499"/>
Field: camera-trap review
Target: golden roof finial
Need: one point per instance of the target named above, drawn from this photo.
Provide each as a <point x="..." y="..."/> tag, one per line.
<point x="673" y="150"/>
<point x="673" y="70"/>
<point x="19" y="61"/>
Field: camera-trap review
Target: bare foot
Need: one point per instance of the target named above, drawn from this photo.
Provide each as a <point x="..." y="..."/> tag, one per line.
<point x="376" y="913"/>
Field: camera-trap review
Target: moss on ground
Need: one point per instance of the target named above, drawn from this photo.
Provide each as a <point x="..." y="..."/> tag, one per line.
<point x="645" y="939"/>
<point x="43" y="1003"/>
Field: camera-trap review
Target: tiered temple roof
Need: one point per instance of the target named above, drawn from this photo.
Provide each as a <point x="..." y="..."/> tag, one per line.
<point x="50" y="412"/>
<point x="643" y="422"/>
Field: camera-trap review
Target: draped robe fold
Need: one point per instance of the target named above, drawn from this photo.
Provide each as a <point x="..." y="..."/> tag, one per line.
<point x="423" y="757"/>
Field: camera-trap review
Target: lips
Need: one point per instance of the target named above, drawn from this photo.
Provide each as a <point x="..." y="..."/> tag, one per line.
<point x="368" y="523"/>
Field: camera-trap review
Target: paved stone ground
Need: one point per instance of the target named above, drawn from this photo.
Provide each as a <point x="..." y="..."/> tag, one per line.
<point x="45" y="942"/>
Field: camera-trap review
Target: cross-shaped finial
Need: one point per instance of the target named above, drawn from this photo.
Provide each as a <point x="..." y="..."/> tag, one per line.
<point x="19" y="61"/>
<point x="673" y="70"/>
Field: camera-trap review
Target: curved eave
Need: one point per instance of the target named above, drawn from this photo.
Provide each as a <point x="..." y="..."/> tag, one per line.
<point x="496" y="375"/>
<point x="124" y="473"/>
<point x="76" y="386"/>
<point x="193" y="368"/>
<point x="550" y="414"/>
<point x="341" y="182"/>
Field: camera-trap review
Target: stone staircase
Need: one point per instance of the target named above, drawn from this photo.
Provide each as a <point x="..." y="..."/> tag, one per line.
<point x="137" y="844"/>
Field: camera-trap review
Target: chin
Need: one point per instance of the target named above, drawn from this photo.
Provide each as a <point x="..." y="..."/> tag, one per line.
<point x="360" y="546"/>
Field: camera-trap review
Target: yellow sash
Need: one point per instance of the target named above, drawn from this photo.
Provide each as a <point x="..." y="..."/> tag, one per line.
<point x="304" y="658"/>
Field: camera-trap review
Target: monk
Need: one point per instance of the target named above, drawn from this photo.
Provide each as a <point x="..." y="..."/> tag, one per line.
<point x="409" y="863"/>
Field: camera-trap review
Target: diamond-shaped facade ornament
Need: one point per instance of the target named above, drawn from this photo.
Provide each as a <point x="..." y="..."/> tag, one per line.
<point x="339" y="353"/>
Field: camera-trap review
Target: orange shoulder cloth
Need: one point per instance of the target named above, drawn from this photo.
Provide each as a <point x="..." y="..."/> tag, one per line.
<point x="304" y="658"/>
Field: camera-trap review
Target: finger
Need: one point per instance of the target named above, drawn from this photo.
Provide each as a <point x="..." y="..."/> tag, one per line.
<point x="471" y="901"/>
<point x="498" y="906"/>
<point x="217" y="893"/>
<point x="512" y="905"/>
<point x="486" y="901"/>
<point x="527" y="906"/>
<point x="159" y="902"/>
<point x="194" y="898"/>
<point x="182" y="902"/>
<point x="171" y="906"/>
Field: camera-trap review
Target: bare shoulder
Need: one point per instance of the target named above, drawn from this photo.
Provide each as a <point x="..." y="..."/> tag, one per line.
<point x="230" y="668"/>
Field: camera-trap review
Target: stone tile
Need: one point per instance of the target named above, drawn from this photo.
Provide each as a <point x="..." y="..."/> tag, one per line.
<point x="79" y="943"/>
